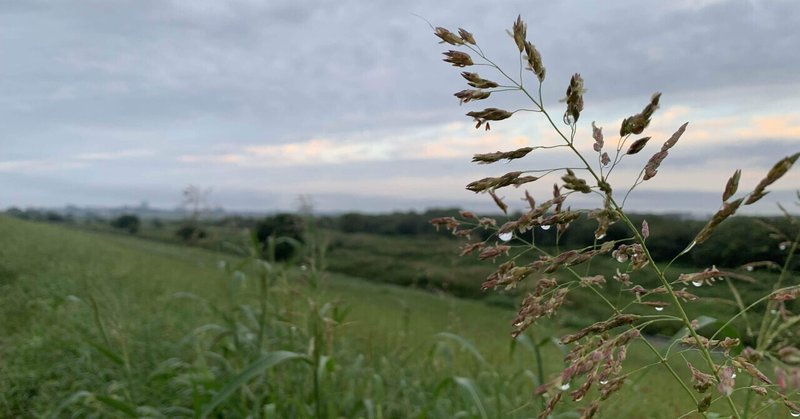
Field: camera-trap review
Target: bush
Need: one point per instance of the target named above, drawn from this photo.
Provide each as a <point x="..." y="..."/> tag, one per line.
<point x="281" y="226"/>
<point x="126" y="222"/>
<point x="191" y="232"/>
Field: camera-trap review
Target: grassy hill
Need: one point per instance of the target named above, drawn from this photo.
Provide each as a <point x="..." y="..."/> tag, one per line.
<point x="97" y="324"/>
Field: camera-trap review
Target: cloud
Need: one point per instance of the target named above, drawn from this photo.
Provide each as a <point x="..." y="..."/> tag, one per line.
<point x="115" y="155"/>
<point x="176" y="92"/>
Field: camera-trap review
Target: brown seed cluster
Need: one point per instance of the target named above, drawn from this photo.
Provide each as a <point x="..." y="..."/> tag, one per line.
<point x="574" y="99"/>
<point x="575" y="183"/>
<point x="501" y="155"/>
<point x="493" y="183"/>
<point x="651" y="168"/>
<point x="778" y="170"/>
<point x="637" y="123"/>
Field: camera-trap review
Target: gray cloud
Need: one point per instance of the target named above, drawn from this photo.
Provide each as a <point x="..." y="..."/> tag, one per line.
<point x="199" y="77"/>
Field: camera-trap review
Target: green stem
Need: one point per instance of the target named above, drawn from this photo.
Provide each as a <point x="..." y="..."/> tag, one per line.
<point x="772" y="305"/>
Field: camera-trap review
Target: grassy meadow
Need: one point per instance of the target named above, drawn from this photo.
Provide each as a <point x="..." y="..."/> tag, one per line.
<point x="96" y="324"/>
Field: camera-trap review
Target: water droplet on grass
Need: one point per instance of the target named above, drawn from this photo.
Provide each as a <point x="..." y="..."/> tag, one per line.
<point x="545" y="226"/>
<point x="505" y="236"/>
<point x="659" y="308"/>
<point x="603" y="382"/>
<point x="697" y="283"/>
<point x="795" y="414"/>
<point x="782" y="246"/>
<point x="621" y="258"/>
<point x="565" y="387"/>
<point x="733" y="375"/>
<point x="749" y="269"/>
<point x="600" y="237"/>
<point x="579" y="398"/>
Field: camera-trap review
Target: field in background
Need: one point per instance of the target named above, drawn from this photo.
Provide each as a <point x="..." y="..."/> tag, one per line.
<point x="104" y="324"/>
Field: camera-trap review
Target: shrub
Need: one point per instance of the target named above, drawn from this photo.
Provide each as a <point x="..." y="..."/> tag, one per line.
<point x="127" y="222"/>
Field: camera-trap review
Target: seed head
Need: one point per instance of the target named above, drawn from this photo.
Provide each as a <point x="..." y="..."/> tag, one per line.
<point x="726" y="211"/>
<point x="499" y="202"/>
<point x="466" y="36"/>
<point x="447" y="36"/>
<point x="604" y="159"/>
<point x="574" y="99"/>
<point x="637" y="123"/>
<point x="534" y="61"/>
<point x="778" y="170"/>
<point x="465" y="96"/>
<point x="638" y="145"/>
<point x="575" y="183"/>
<point x="700" y="380"/>
<point x="474" y="80"/>
<point x="458" y="58"/>
<point x="726" y="381"/>
<point x="732" y="185"/>
<point x="501" y="155"/>
<point x="493" y="183"/>
<point x="597" y="134"/>
<point x="493" y="252"/>
<point x="520" y="30"/>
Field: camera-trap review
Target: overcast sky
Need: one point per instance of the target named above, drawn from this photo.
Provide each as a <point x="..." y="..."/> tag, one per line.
<point x="116" y="102"/>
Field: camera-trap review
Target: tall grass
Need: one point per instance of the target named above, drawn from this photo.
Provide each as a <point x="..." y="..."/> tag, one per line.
<point x="595" y="364"/>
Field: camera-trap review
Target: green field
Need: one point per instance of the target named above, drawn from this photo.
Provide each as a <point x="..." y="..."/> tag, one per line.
<point x="98" y="325"/>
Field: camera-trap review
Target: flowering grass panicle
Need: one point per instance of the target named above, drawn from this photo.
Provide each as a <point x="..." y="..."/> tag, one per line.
<point x="595" y="361"/>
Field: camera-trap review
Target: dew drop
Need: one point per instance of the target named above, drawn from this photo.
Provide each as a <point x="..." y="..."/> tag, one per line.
<point x="600" y="237"/>
<point x="795" y="414"/>
<point x="579" y="398"/>
<point x="303" y="267"/>
<point x="733" y="375"/>
<point x="565" y="387"/>
<point x="603" y="382"/>
<point x="773" y="312"/>
<point x="659" y="308"/>
<point x="545" y="226"/>
<point x="697" y="283"/>
<point x="621" y="258"/>
<point x="505" y="236"/>
<point x="517" y="324"/>
<point x="749" y="269"/>
<point x="782" y="246"/>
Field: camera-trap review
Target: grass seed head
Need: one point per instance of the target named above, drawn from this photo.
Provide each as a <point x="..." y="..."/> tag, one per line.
<point x="519" y="32"/>
<point x="534" y="61"/>
<point x="475" y="80"/>
<point x="466" y="36"/>
<point x="458" y="58"/>
<point x="574" y="99"/>
<point x="501" y="155"/>
<point x="465" y="96"/>
<point x="447" y="36"/>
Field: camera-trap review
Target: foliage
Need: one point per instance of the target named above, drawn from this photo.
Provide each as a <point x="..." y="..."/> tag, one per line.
<point x="281" y="225"/>
<point x="597" y="351"/>
<point x="127" y="222"/>
<point x="191" y="232"/>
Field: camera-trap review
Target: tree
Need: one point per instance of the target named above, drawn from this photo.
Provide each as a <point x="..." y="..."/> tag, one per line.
<point x="128" y="222"/>
<point x="281" y="226"/>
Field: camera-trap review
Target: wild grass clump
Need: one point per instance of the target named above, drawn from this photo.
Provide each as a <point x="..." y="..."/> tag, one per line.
<point x="595" y="362"/>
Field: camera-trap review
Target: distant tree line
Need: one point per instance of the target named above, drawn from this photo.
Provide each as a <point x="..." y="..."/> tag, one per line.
<point x="739" y="240"/>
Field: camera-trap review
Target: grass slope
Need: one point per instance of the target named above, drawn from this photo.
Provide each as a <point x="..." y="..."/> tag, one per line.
<point x="91" y="327"/>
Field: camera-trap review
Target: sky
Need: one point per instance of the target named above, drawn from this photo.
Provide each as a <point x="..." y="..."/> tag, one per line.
<point x="114" y="102"/>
